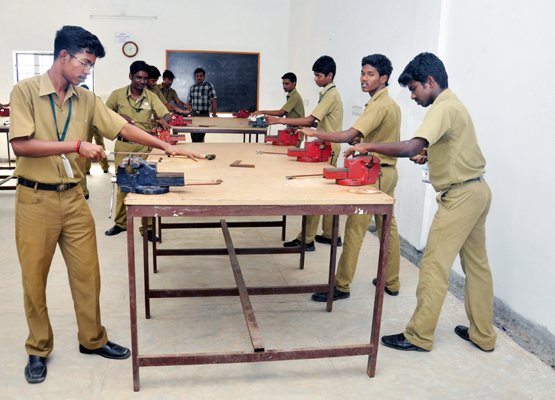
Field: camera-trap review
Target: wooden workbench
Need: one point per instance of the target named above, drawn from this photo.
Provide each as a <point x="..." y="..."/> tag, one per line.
<point x="221" y="125"/>
<point x="259" y="191"/>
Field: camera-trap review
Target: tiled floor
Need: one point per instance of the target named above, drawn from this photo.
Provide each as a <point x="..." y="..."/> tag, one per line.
<point x="453" y="370"/>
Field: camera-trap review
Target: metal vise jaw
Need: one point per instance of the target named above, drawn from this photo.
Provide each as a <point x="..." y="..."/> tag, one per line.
<point x="285" y="137"/>
<point x="315" y="151"/>
<point x="135" y="175"/>
<point x="358" y="171"/>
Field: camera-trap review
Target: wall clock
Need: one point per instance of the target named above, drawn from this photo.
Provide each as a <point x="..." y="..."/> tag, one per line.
<point x="130" y="49"/>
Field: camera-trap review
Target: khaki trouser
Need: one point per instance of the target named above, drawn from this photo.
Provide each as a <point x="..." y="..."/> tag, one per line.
<point x="120" y="218"/>
<point x="356" y="227"/>
<point x="44" y="219"/>
<point x="458" y="228"/>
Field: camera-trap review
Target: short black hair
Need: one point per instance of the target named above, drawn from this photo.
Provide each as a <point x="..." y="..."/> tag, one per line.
<point x="153" y="72"/>
<point x="199" y="70"/>
<point x="422" y="66"/>
<point x="291" y="76"/>
<point x="324" y="65"/>
<point x="137" y="66"/>
<point x="75" y="39"/>
<point x="381" y="63"/>
<point x="168" y="74"/>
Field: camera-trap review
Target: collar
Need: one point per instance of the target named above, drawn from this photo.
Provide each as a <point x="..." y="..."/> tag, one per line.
<point x="443" y="96"/>
<point x="142" y="95"/>
<point x="327" y="88"/>
<point x="46" y="87"/>
<point x="378" y="94"/>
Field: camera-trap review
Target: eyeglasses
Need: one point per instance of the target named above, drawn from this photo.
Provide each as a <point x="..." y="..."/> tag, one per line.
<point x="87" y="66"/>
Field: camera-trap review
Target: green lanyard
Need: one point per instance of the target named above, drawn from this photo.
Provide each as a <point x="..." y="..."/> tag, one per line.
<point x="137" y="109"/>
<point x="62" y="138"/>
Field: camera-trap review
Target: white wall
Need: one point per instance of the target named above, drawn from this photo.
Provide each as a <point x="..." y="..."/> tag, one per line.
<point x="497" y="54"/>
<point x="500" y="63"/>
<point x="241" y="25"/>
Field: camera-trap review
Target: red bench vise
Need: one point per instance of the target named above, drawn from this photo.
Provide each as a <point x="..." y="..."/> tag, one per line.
<point x="315" y="151"/>
<point x="178" y="120"/>
<point x="285" y="137"/>
<point x="358" y="171"/>
<point x="135" y="175"/>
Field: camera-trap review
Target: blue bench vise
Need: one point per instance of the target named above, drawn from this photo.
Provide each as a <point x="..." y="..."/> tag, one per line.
<point x="259" y="122"/>
<point x="135" y="175"/>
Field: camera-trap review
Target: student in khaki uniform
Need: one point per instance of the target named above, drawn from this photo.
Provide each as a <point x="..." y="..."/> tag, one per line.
<point x="50" y="118"/>
<point x="139" y="107"/>
<point x="456" y="168"/>
<point x="380" y="123"/>
<point x="152" y="84"/>
<point x="328" y="115"/>
<point x="294" y="107"/>
<point x="169" y="93"/>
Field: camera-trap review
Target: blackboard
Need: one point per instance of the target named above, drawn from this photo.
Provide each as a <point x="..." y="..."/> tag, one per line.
<point x="234" y="76"/>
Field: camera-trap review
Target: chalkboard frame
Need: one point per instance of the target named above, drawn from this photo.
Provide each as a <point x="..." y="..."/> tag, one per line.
<point x="236" y="89"/>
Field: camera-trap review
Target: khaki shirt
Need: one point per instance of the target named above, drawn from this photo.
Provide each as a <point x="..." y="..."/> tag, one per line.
<point x="380" y="123"/>
<point x="453" y="152"/>
<point x="294" y="108"/>
<point x="156" y="90"/>
<point x="32" y="117"/>
<point x="141" y="110"/>
<point x="170" y="94"/>
<point x="329" y="111"/>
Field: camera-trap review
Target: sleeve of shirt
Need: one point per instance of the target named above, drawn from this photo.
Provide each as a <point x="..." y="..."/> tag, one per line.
<point x="290" y="105"/>
<point x="189" y="97"/>
<point x="435" y="125"/>
<point x="213" y="92"/>
<point x="107" y="122"/>
<point x="370" y="120"/>
<point x="22" y="120"/>
<point x="159" y="109"/>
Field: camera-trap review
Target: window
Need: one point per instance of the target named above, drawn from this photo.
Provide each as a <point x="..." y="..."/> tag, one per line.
<point x="32" y="63"/>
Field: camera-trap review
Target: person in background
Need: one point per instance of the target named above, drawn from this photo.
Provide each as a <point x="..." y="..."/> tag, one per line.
<point x="142" y="108"/>
<point x="328" y="116"/>
<point x="447" y="140"/>
<point x="294" y="106"/>
<point x="169" y="93"/>
<point x="202" y="98"/>
<point x="50" y="118"/>
<point x="380" y="123"/>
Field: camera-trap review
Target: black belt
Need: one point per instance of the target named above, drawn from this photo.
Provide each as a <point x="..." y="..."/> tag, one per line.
<point x="62" y="187"/>
<point x="122" y="139"/>
<point x="386" y="165"/>
<point x="473" y="180"/>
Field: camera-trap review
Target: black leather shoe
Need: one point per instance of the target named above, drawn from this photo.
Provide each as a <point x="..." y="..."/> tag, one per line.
<point x="151" y="236"/>
<point x="399" y="342"/>
<point x="337" y="295"/>
<point x="109" y="350"/>
<point x="389" y="292"/>
<point x="114" y="230"/>
<point x="297" y="243"/>
<point x="35" y="370"/>
<point x="462" y="332"/>
<point x="325" y="240"/>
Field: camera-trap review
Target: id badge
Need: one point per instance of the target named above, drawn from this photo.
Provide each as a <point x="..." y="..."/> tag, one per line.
<point x="67" y="166"/>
